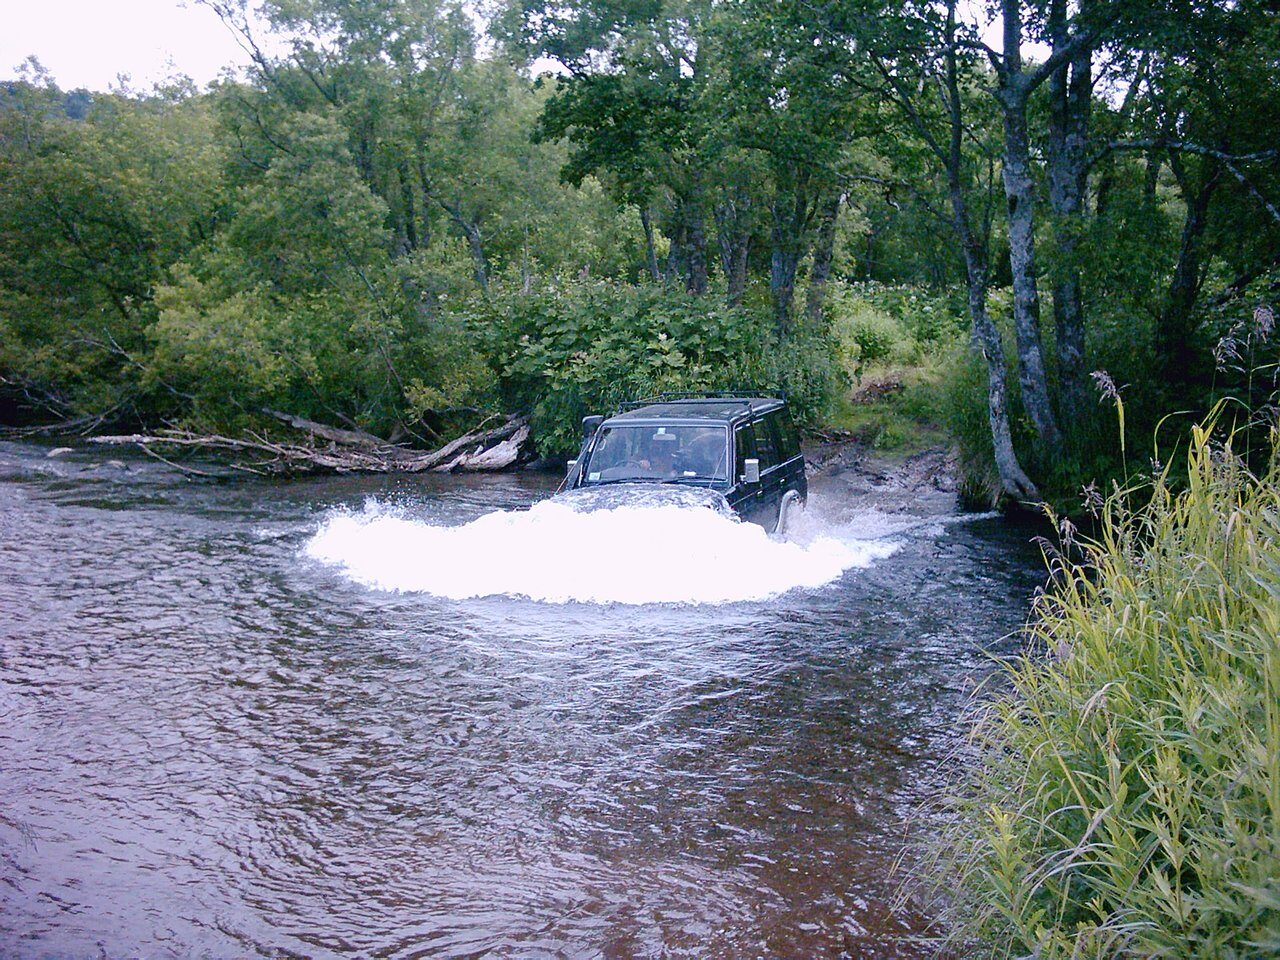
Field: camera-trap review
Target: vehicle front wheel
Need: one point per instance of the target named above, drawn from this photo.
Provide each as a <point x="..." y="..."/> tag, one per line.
<point x="789" y="511"/>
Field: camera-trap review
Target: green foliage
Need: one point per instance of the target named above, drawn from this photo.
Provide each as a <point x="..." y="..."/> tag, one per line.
<point x="322" y="234"/>
<point x="584" y="347"/>
<point x="897" y="410"/>
<point x="1126" y="796"/>
<point x="867" y="335"/>
<point x="877" y="323"/>
<point x="962" y="402"/>
<point x="92" y="210"/>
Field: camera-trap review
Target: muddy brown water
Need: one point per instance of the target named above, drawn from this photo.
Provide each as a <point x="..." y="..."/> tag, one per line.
<point x="212" y="746"/>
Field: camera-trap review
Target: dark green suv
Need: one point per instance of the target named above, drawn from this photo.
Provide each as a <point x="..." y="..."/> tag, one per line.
<point x="743" y="447"/>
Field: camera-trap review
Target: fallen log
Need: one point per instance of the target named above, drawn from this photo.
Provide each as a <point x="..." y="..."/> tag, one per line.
<point x="498" y="457"/>
<point x="337" y="434"/>
<point x="346" y="451"/>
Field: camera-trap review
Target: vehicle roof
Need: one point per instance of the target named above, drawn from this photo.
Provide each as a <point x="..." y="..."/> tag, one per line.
<point x="719" y="409"/>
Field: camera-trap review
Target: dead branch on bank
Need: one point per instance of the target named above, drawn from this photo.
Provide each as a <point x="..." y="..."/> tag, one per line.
<point x="334" y="450"/>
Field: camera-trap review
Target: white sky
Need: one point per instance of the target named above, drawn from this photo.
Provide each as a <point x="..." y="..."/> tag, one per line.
<point x="86" y="43"/>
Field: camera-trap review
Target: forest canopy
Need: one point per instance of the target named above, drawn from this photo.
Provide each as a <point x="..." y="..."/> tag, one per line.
<point x="411" y="218"/>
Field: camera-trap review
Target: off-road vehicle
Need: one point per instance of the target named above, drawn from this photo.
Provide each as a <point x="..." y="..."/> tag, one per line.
<point x="745" y="448"/>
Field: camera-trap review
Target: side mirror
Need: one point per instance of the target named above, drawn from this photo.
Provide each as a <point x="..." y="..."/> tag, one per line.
<point x="590" y="425"/>
<point x="571" y="464"/>
<point x="751" y="470"/>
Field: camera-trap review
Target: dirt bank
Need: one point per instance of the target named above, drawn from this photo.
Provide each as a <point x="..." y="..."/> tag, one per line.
<point x="924" y="483"/>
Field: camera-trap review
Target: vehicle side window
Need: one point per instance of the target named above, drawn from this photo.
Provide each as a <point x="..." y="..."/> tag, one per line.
<point x="788" y="438"/>
<point x="744" y="448"/>
<point x="766" y="446"/>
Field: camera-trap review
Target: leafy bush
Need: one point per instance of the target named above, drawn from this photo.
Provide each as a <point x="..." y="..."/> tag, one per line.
<point x="1126" y="796"/>
<point x="877" y="323"/>
<point x="866" y="334"/>
<point x="584" y="347"/>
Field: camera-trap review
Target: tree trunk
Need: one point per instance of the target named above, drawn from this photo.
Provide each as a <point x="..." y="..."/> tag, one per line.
<point x="1175" y="326"/>
<point x="409" y="215"/>
<point x="696" y="281"/>
<point x="677" y="254"/>
<point x="1019" y="189"/>
<point x="479" y="260"/>
<point x="424" y="182"/>
<point x="823" y="249"/>
<point x="1151" y="178"/>
<point x="695" y="232"/>
<point x="733" y="232"/>
<point x="475" y="242"/>
<point x="1014" y="481"/>
<point x="738" y="267"/>
<point x="782" y="280"/>
<point x="790" y="223"/>
<point x="650" y="254"/>
<point x="1070" y="91"/>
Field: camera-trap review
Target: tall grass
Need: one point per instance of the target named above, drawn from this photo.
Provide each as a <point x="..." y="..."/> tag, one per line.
<point x="1125" y="801"/>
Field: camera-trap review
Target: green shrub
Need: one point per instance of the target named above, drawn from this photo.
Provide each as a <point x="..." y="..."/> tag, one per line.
<point x="876" y="323"/>
<point x="891" y="436"/>
<point x="584" y="347"/>
<point x="867" y="335"/>
<point x="1125" y="800"/>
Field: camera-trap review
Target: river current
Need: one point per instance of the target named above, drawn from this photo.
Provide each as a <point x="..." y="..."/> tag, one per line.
<point x="413" y="717"/>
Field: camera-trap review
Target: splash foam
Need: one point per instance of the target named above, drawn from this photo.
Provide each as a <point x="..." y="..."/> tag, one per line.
<point x="553" y="553"/>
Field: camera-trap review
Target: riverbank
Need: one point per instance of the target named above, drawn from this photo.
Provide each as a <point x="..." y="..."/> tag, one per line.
<point x="851" y="471"/>
<point x="920" y="478"/>
<point x="1125" y="796"/>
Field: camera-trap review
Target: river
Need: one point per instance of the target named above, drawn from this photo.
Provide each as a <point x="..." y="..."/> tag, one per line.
<point x="221" y="735"/>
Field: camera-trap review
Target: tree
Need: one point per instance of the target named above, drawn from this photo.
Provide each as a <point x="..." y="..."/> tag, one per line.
<point x="932" y="92"/>
<point x="94" y="210"/>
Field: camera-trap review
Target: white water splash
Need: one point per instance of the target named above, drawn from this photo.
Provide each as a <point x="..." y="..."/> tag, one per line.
<point x="630" y="554"/>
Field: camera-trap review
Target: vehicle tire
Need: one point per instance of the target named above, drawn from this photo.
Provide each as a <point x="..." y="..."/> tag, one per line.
<point x="788" y="510"/>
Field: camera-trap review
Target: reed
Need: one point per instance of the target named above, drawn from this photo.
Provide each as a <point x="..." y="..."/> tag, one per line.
<point x="1125" y="798"/>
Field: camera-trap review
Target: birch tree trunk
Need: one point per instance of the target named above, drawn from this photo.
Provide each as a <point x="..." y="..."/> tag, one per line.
<point x="1019" y="186"/>
<point x="1014" y="481"/>
<point x="1070" y="91"/>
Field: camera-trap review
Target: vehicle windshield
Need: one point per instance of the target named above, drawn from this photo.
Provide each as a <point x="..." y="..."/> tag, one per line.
<point x="659" y="453"/>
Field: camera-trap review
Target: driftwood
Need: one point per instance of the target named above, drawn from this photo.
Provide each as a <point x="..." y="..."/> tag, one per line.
<point x="498" y="457"/>
<point x="338" y="435"/>
<point x="334" y="450"/>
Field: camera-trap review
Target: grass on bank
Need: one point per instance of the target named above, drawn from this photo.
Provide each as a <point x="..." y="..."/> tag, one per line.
<point x="897" y="344"/>
<point x="1125" y="801"/>
<point x="893" y="410"/>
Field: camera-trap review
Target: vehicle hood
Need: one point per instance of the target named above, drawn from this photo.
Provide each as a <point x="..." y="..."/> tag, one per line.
<point x="641" y="494"/>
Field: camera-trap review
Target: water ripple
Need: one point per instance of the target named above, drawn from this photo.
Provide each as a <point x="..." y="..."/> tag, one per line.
<point x="212" y="746"/>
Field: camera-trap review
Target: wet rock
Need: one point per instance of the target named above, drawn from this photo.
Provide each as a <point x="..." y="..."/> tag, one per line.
<point x="59" y="452"/>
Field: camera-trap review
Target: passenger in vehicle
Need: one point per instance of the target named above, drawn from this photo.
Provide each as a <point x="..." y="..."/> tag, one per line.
<point x="659" y="457"/>
<point x="706" y="456"/>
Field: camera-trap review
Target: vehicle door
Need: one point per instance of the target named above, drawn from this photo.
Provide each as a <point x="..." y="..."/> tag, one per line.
<point x="744" y="497"/>
<point x="772" y="474"/>
<point x="792" y="467"/>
